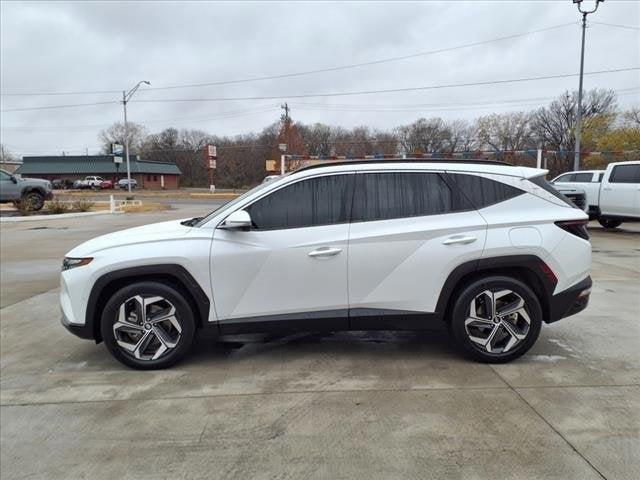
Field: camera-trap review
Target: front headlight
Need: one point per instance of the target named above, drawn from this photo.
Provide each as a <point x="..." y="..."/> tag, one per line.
<point x="69" y="263"/>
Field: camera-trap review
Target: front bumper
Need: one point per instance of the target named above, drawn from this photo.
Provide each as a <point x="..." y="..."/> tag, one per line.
<point x="82" y="331"/>
<point x="571" y="301"/>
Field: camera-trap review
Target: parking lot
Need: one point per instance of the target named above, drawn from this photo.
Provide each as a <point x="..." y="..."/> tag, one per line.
<point x="343" y="405"/>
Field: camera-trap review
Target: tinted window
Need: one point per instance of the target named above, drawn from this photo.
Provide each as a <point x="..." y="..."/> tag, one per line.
<point x="583" y="177"/>
<point x="4" y="176"/>
<point x="482" y="191"/>
<point x="625" y="174"/>
<point x="600" y="175"/>
<point x="565" y="178"/>
<point x="381" y="196"/>
<point x="308" y="203"/>
<point x="542" y="183"/>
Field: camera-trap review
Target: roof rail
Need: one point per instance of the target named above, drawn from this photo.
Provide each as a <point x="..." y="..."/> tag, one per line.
<point x="406" y="160"/>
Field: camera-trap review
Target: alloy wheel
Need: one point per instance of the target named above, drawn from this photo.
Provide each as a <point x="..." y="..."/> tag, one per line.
<point x="498" y="321"/>
<point x="147" y="327"/>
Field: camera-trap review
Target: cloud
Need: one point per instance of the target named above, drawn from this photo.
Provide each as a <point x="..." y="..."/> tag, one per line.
<point x="111" y="45"/>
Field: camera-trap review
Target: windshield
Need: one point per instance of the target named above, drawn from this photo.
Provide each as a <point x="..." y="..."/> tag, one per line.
<point x="233" y="202"/>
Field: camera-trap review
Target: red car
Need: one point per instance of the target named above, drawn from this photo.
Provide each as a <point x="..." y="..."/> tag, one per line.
<point x="105" y="184"/>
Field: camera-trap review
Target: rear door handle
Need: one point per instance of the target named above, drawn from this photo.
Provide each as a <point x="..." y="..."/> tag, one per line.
<point x="325" y="252"/>
<point x="459" y="239"/>
<point x="607" y="188"/>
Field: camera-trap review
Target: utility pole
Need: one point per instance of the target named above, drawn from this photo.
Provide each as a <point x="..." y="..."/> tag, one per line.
<point x="126" y="96"/>
<point x="576" y="160"/>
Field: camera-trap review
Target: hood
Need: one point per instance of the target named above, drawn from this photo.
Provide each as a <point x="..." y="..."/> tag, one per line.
<point x="132" y="236"/>
<point x="35" y="181"/>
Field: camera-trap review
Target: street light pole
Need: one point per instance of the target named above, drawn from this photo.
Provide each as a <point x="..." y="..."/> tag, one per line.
<point x="576" y="159"/>
<point x="126" y="96"/>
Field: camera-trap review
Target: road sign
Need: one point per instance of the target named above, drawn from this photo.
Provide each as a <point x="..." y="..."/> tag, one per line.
<point x="117" y="149"/>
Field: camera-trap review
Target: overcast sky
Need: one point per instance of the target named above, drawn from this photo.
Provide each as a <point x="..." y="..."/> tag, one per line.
<point x="96" y="46"/>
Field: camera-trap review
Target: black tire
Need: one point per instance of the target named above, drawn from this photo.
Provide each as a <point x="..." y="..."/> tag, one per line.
<point x="183" y="315"/>
<point x="609" y="222"/>
<point x="33" y="201"/>
<point x="462" y="307"/>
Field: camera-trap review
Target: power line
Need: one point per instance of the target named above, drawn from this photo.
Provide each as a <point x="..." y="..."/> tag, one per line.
<point x="629" y="27"/>
<point x="339" y="94"/>
<point x="362" y="64"/>
<point x="47" y="107"/>
<point x="178" y="120"/>
<point x="308" y="72"/>
<point x="391" y="90"/>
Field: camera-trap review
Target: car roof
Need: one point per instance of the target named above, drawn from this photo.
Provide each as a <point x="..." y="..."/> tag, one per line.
<point x="476" y="166"/>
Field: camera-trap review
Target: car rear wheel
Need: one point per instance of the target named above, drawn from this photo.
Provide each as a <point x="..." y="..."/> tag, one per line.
<point x="496" y="319"/>
<point x="609" y="222"/>
<point x="148" y="325"/>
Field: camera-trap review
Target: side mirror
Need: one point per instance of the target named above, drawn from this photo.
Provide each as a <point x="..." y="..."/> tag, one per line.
<point x="14" y="179"/>
<point x="240" y="219"/>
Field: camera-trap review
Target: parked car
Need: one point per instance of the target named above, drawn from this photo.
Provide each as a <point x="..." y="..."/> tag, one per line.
<point x="29" y="193"/>
<point x="492" y="250"/>
<point x="586" y="180"/>
<point x="106" y="184"/>
<point x="124" y="183"/>
<point x="61" y="184"/>
<point x="90" y="181"/>
<point x="577" y="196"/>
<point x="270" y="178"/>
<point x="613" y="195"/>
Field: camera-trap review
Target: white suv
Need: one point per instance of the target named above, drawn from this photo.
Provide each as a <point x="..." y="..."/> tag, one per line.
<point x="491" y="249"/>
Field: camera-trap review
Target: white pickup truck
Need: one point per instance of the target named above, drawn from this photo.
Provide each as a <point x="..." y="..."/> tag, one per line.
<point x="613" y="195"/>
<point x="89" y="182"/>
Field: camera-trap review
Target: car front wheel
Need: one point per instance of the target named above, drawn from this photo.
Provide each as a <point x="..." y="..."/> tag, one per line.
<point x="148" y="325"/>
<point x="33" y="201"/>
<point x="496" y="319"/>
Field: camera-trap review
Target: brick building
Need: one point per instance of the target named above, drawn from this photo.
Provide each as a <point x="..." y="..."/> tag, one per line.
<point x="148" y="173"/>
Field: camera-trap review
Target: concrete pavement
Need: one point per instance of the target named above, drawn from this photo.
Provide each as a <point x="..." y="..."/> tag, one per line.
<point x="344" y="405"/>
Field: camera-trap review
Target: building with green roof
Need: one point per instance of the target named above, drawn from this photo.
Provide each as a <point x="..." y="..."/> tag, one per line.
<point x="148" y="173"/>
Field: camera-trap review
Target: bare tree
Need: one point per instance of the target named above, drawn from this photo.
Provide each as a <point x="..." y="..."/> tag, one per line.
<point x="6" y="155"/>
<point x="631" y="118"/>
<point x="504" y="131"/>
<point x="554" y="126"/>
<point x="115" y="134"/>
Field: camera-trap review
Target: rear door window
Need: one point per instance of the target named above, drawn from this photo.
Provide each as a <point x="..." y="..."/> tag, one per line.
<point x="387" y="195"/>
<point x="625" y="174"/>
<point x="583" y="177"/>
<point x="565" y="178"/>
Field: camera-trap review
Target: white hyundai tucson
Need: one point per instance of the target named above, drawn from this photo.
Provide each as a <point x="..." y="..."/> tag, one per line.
<point x="490" y="249"/>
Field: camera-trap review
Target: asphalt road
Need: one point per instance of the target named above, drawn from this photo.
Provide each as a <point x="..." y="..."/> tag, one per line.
<point x="345" y="405"/>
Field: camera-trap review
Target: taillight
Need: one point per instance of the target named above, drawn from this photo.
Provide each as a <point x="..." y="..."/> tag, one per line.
<point x="575" y="227"/>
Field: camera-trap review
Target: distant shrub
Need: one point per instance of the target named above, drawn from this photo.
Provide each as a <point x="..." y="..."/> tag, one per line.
<point x="56" y="206"/>
<point x="82" y="205"/>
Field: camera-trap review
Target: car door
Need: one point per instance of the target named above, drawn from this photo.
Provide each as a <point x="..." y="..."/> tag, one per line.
<point x="620" y="194"/>
<point x="9" y="190"/>
<point x="409" y="230"/>
<point x="289" y="270"/>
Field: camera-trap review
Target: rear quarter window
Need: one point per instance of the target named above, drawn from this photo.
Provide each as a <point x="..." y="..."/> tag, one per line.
<point x="542" y="183"/>
<point x="481" y="191"/>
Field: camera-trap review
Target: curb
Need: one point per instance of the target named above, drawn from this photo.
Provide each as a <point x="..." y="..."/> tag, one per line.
<point x="33" y="218"/>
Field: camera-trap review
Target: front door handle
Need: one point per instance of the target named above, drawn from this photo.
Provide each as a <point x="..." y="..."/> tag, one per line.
<point x="325" y="252"/>
<point x="459" y="239"/>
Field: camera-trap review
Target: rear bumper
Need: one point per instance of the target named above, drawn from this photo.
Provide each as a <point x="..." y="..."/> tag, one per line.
<point x="571" y="301"/>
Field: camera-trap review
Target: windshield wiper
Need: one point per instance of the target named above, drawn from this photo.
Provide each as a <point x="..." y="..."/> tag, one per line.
<point x="191" y="222"/>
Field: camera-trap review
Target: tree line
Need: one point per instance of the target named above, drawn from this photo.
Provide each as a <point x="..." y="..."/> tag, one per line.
<point x="241" y="159"/>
